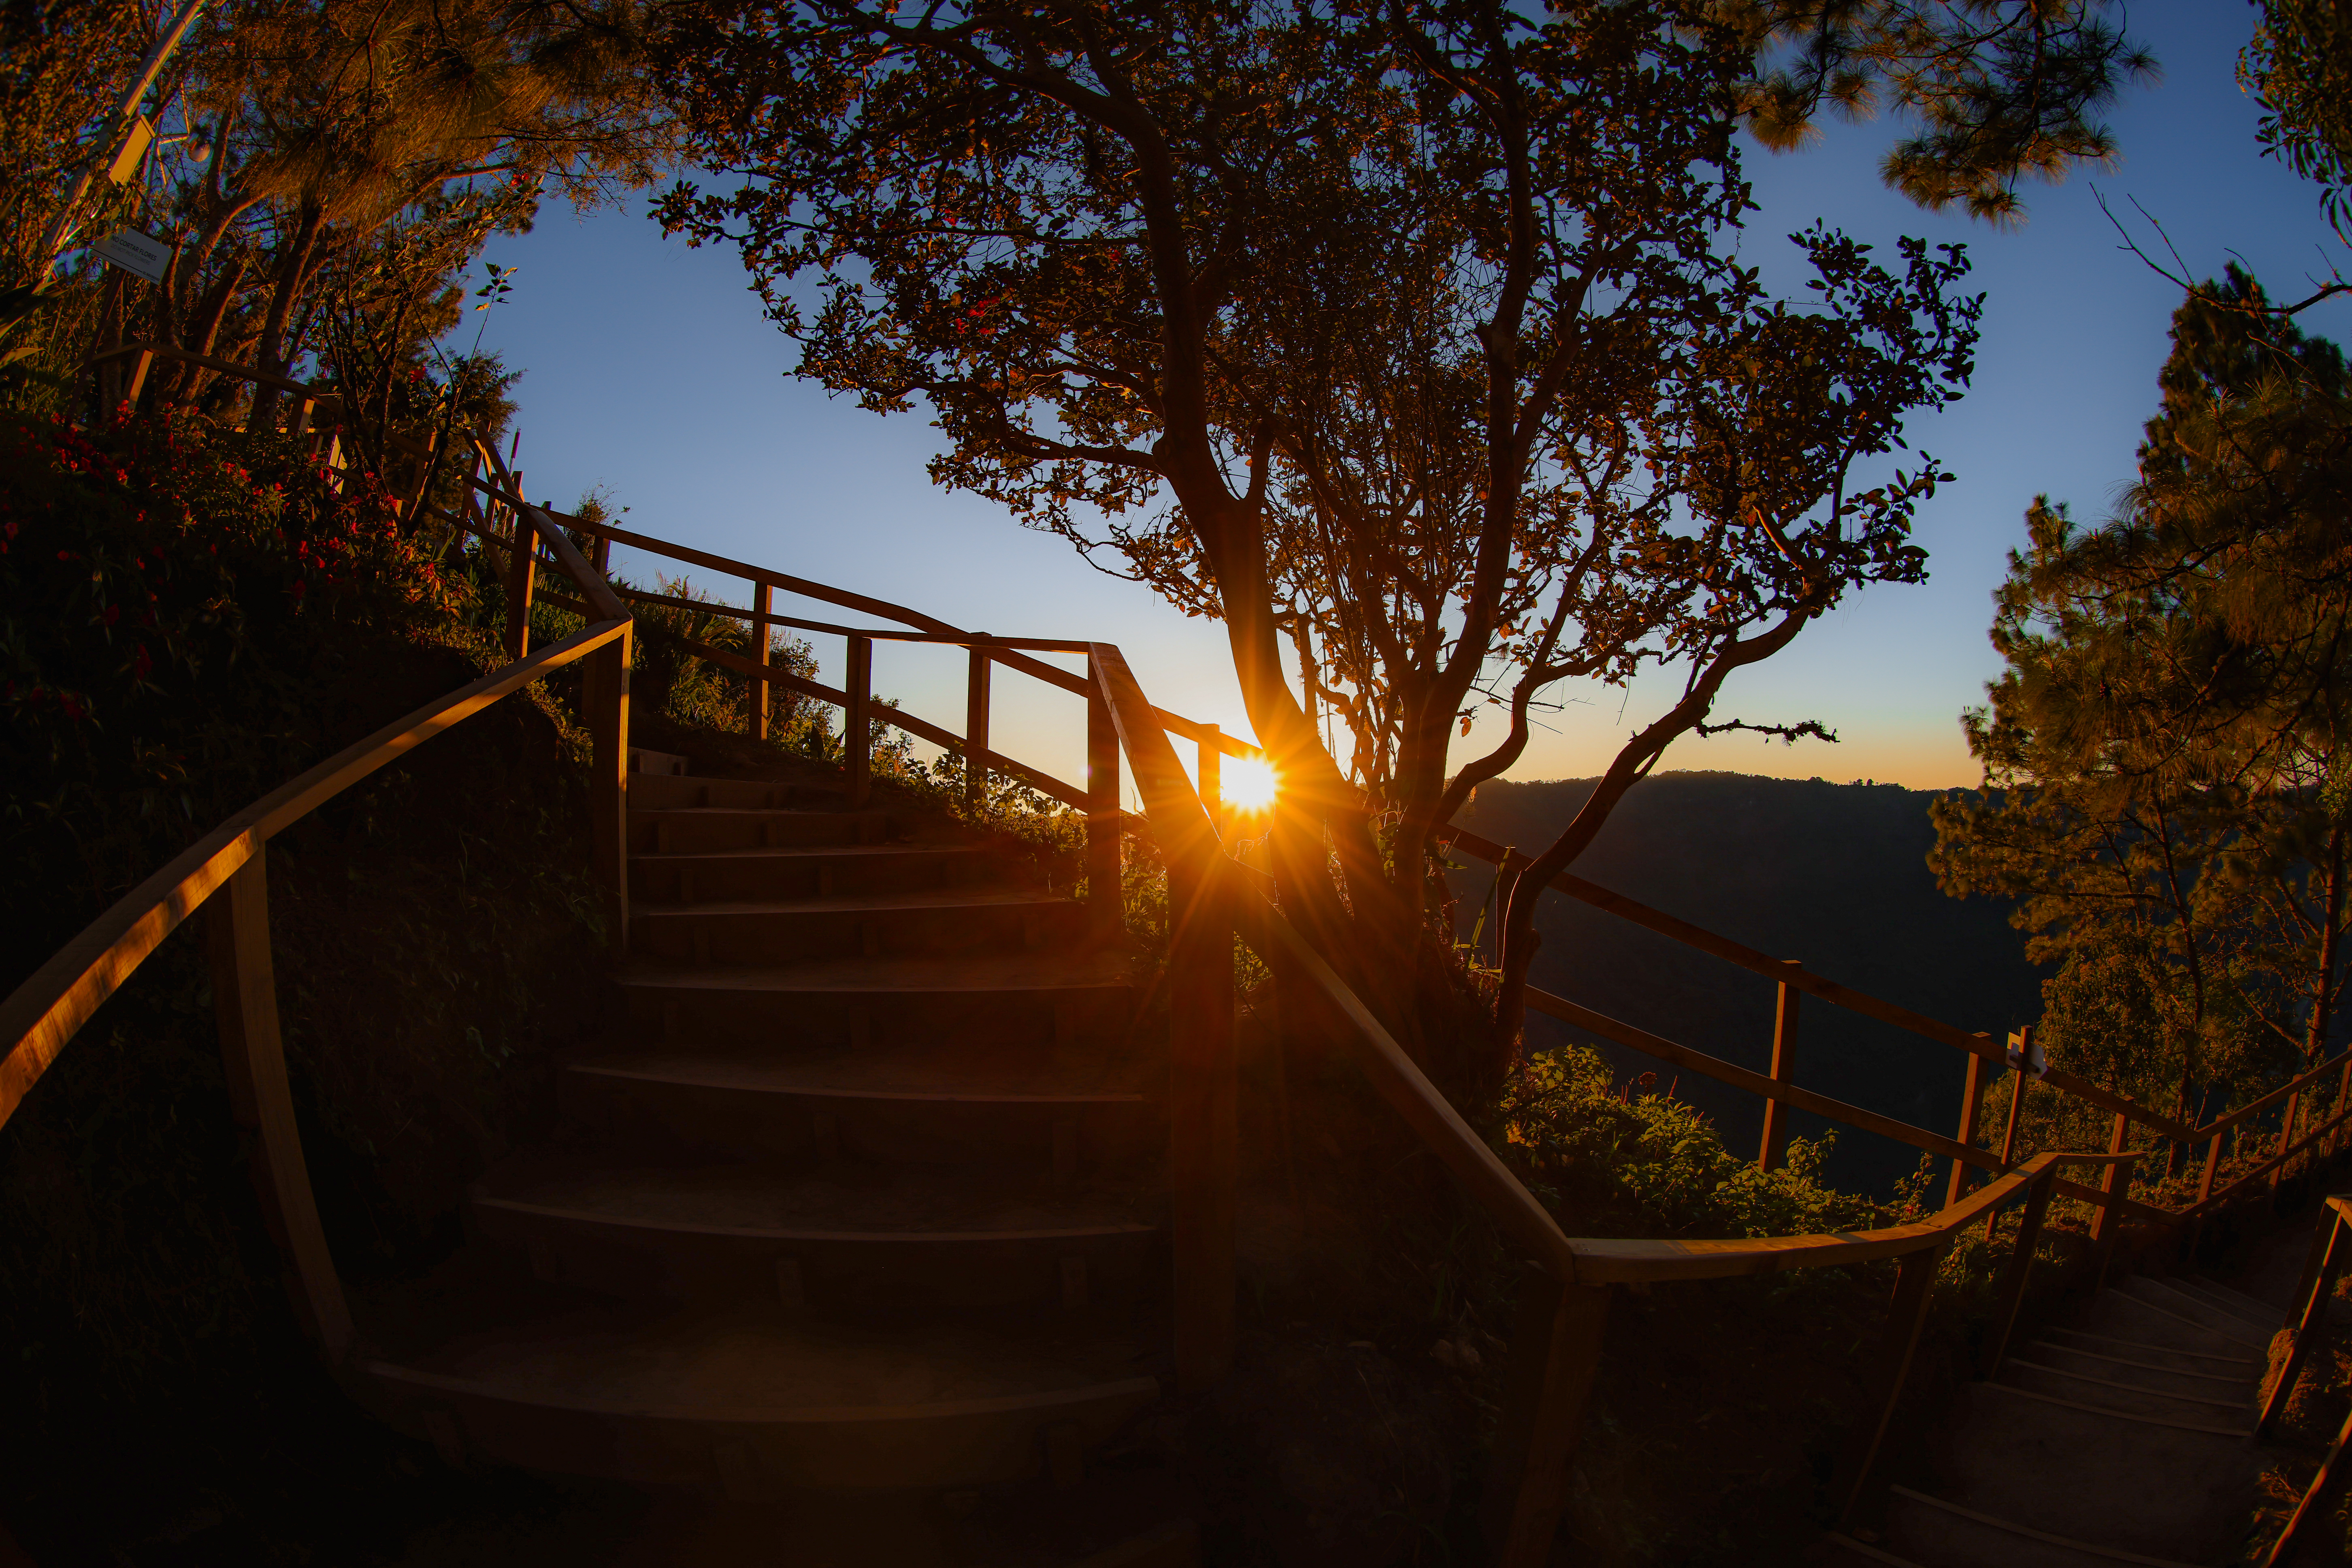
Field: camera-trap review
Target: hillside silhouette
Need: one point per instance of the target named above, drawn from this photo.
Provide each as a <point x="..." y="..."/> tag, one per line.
<point x="1832" y="873"/>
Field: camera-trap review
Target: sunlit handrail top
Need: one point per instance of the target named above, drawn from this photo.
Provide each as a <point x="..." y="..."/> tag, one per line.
<point x="41" y="1015"/>
<point x="1600" y="1260"/>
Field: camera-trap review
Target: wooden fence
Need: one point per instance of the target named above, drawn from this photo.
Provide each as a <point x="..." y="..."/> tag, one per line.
<point x="1558" y="1341"/>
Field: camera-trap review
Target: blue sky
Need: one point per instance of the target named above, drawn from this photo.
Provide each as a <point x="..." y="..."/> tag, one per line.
<point x="650" y="371"/>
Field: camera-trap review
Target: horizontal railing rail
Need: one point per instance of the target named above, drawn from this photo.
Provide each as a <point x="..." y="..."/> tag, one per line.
<point x="1559" y="1337"/>
<point x="1212" y="898"/>
<point x="1963" y="1151"/>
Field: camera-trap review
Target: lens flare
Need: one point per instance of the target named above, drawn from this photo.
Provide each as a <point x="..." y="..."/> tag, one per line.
<point x="1249" y="784"/>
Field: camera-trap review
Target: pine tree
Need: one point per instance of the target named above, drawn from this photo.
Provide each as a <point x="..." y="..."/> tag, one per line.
<point x="2168" y="755"/>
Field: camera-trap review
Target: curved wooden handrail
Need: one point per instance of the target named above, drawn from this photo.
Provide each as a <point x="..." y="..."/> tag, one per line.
<point x="1626" y="1262"/>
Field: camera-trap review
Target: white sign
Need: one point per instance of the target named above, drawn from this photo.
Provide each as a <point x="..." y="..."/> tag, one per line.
<point x="134" y="252"/>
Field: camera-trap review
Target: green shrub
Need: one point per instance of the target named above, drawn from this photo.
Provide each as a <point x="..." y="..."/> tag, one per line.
<point x="1616" y="1159"/>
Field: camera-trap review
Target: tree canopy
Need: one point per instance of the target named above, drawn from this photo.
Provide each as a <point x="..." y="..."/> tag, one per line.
<point x="2166" y="751"/>
<point x="1410" y="339"/>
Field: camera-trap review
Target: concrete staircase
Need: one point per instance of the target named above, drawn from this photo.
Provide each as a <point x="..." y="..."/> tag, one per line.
<point x="858" y="1205"/>
<point x="2126" y="1438"/>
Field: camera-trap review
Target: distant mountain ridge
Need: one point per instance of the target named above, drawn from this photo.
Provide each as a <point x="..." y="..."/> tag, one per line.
<point x="1832" y="873"/>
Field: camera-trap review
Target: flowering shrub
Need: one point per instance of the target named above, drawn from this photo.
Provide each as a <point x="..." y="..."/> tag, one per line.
<point x="172" y="604"/>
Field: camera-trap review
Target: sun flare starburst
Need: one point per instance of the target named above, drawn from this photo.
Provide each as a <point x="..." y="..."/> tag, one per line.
<point x="1250" y="783"/>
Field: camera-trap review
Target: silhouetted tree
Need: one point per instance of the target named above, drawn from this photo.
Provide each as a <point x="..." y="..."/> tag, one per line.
<point x="2169" y="740"/>
<point x="1426" y="319"/>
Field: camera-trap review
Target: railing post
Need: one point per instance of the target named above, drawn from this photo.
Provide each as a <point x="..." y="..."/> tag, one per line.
<point x="2343" y="1098"/>
<point x="2017" y="1080"/>
<point x="1972" y="1113"/>
<point x="244" y="1003"/>
<point x="1555" y="1352"/>
<point x="1203" y="1137"/>
<point x="2286" y="1139"/>
<point x="975" y="729"/>
<point x="2113" y="1187"/>
<point x="1212" y="776"/>
<point x="522" y="570"/>
<point x="2331" y="1249"/>
<point x="1103" y="892"/>
<point x="1907" y="1314"/>
<point x="607" y="681"/>
<point x="763" y="601"/>
<point x="1775" y="1144"/>
<point x="856" y="722"/>
<point x="2020" y="1268"/>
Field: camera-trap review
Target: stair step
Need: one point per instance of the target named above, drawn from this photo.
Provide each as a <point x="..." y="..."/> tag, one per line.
<point x="701" y="829"/>
<point x="1847" y="1552"/>
<point x="987" y="974"/>
<point x="2161" y="1297"/>
<point x="2106" y="1390"/>
<point x="2170" y="1490"/>
<point x="824" y="1238"/>
<point x="660" y="792"/>
<point x="750" y="1404"/>
<point x="805" y="870"/>
<point x="2244" y="1309"/>
<point x="2255" y="1305"/>
<point x="1942" y="1534"/>
<point x="2141" y="1369"/>
<point x="937" y="922"/>
<point x="2221" y="1362"/>
<point x="930" y="1101"/>
<point x="989" y="1002"/>
<point x="2125" y="1315"/>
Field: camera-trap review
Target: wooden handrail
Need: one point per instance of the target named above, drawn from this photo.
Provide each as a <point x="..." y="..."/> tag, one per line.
<point x="41" y="1015"/>
<point x="1397" y="1079"/>
<point x="211" y="362"/>
<point x="2300" y="1081"/>
<point x="1203" y="1083"/>
<point x="1799" y="978"/>
<point x="2331" y="1253"/>
<point x="1631" y="1262"/>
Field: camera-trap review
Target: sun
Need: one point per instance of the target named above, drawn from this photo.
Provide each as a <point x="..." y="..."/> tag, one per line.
<point x="1249" y="784"/>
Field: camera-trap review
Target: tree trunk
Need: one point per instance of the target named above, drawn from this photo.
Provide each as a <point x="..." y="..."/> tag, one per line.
<point x="203" y="332"/>
<point x="293" y="271"/>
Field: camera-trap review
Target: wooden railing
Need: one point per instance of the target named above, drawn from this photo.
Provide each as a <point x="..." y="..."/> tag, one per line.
<point x="44" y="1012"/>
<point x="2330" y="1255"/>
<point x="1211" y="897"/>
<point x="1985" y="1059"/>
